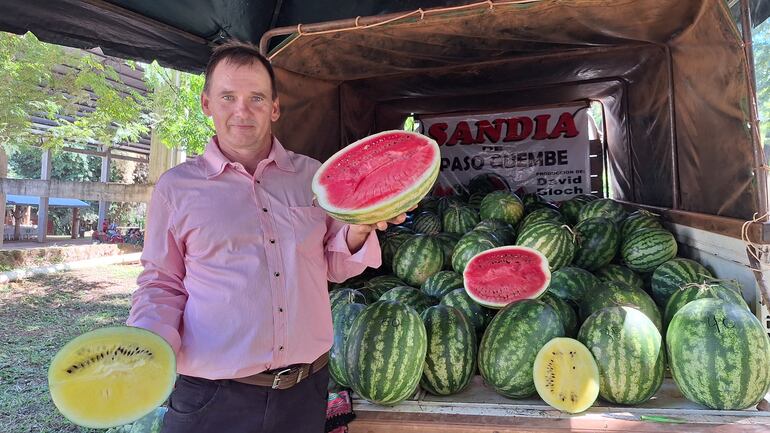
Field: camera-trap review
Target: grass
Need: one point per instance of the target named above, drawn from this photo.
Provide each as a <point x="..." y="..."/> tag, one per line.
<point x="38" y="316"/>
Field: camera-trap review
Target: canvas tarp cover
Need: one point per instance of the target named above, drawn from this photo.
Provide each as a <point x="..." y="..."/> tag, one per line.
<point x="672" y="77"/>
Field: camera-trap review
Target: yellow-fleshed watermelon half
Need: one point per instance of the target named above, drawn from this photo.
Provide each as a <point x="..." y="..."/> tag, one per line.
<point x="111" y="376"/>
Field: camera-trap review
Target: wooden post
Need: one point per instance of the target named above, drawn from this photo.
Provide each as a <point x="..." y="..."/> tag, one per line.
<point x="75" y="223"/>
<point x="3" y="173"/>
<point x="42" y="210"/>
<point x="104" y="205"/>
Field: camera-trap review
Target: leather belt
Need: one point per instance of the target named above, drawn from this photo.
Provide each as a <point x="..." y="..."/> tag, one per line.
<point x="287" y="377"/>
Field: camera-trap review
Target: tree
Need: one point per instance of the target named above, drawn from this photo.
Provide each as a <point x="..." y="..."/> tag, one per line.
<point x="761" y="42"/>
<point x="84" y="97"/>
<point x="175" y="103"/>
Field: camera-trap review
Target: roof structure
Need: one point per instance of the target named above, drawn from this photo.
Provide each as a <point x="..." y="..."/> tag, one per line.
<point x="28" y="200"/>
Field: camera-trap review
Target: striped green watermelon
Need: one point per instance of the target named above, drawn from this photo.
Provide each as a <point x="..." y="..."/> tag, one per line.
<point x="441" y="283"/>
<point x="555" y="241"/>
<point x="501" y="229"/>
<point x="478" y="315"/>
<point x="417" y="259"/>
<point x="488" y="182"/>
<point x="446" y="202"/>
<point x="375" y="287"/>
<point x="639" y="220"/>
<point x="502" y="205"/>
<point x="390" y="245"/>
<point x="629" y="352"/>
<point x="603" y="207"/>
<point x="511" y="343"/>
<point x="571" y="284"/>
<point x="719" y="354"/>
<point x="385" y="352"/>
<point x="495" y="278"/>
<point x="728" y="291"/>
<point x="646" y="249"/>
<point x="409" y="296"/>
<point x="428" y="204"/>
<point x="612" y="293"/>
<point x="598" y="241"/>
<point x="342" y="318"/>
<point x="532" y="198"/>
<point x="474" y="201"/>
<point x="447" y="242"/>
<point x="673" y="274"/>
<point x="567" y="313"/>
<point x="570" y="209"/>
<point x="539" y="215"/>
<point x="469" y="245"/>
<point x="460" y="219"/>
<point x="344" y="296"/>
<point x="450" y="361"/>
<point x="427" y="223"/>
<point x="620" y="273"/>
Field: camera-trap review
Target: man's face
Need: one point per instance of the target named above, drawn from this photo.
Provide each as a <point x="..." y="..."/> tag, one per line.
<point x="240" y="102"/>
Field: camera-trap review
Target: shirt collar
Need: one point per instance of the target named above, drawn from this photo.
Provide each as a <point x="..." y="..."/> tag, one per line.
<point x="216" y="161"/>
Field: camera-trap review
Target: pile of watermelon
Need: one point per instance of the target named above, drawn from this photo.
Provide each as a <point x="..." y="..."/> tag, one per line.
<point x="484" y="280"/>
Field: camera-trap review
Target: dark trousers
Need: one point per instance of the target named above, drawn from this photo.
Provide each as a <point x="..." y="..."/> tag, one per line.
<point x="223" y="406"/>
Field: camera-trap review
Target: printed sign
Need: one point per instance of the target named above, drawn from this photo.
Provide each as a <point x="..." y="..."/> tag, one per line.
<point x="542" y="151"/>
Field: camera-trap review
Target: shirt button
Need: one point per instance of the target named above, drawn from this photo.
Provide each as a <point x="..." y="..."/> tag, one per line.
<point x="280" y="348"/>
<point x="280" y="310"/>
<point x="264" y="209"/>
<point x="272" y="241"/>
<point x="277" y="274"/>
<point x="259" y="182"/>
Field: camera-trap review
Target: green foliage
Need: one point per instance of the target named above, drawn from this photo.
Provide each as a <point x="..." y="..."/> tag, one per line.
<point x="761" y="43"/>
<point x="55" y="83"/>
<point x="175" y="103"/>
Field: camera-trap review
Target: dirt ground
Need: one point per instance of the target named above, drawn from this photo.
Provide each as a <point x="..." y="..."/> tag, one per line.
<point x="38" y="316"/>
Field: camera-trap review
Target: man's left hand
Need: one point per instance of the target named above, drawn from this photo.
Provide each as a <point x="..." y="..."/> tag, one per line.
<point x="357" y="233"/>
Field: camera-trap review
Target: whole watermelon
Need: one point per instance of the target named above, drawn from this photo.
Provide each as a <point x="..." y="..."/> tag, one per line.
<point x="385" y="352"/>
<point x="460" y="219"/>
<point x="511" y="343"/>
<point x="571" y="283"/>
<point x="441" y="283"/>
<point x="619" y="273"/>
<point x="450" y="361"/>
<point x="417" y="259"/>
<point x="614" y="293"/>
<point x="409" y="296"/>
<point x="343" y="319"/>
<point x="598" y="241"/>
<point x="604" y="207"/>
<point x="646" y="249"/>
<point x="719" y="354"/>
<point x="673" y="274"/>
<point x="469" y="245"/>
<point x="629" y="352"/>
<point x="728" y="291"/>
<point x="478" y="315"/>
<point x="553" y="240"/>
<point x="502" y="205"/>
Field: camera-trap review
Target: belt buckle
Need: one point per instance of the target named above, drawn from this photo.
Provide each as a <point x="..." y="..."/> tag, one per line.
<point x="277" y="378"/>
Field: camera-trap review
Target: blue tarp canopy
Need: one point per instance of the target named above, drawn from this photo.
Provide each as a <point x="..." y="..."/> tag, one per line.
<point x="28" y="200"/>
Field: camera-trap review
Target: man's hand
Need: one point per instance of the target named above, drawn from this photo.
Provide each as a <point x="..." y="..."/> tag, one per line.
<point x="357" y="233"/>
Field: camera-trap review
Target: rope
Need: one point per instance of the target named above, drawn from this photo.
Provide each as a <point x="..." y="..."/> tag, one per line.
<point x="752" y="246"/>
<point x="490" y="4"/>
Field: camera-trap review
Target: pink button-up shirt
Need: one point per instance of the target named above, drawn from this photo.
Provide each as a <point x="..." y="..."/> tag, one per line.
<point x="236" y="266"/>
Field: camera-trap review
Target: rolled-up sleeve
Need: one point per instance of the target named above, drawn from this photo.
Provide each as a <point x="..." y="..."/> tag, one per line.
<point x="341" y="263"/>
<point x="158" y="302"/>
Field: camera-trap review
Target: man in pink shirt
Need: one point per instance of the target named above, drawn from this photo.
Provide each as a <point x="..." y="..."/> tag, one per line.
<point x="236" y="262"/>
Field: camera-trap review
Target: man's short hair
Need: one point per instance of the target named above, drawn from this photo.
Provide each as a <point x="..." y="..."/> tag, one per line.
<point x="240" y="54"/>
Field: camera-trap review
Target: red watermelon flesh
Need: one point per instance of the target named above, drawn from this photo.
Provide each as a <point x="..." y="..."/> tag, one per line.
<point x="377" y="176"/>
<point x="495" y="278"/>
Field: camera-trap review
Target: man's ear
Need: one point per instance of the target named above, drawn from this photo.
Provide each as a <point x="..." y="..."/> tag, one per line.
<point x="276" y="114"/>
<point x="205" y="103"/>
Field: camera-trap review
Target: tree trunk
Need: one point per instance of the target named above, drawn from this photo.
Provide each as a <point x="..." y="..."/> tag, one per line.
<point x="17" y="214"/>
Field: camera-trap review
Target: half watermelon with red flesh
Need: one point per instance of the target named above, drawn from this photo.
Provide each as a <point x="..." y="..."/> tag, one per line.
<point x="378" y="177"/>
<point x="496" y="277"/>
